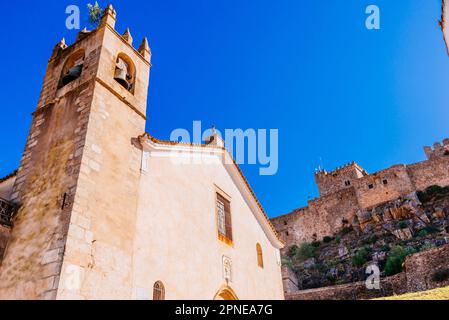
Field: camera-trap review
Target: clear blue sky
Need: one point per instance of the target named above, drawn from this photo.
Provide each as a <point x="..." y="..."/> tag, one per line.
<point x="311" y="69"/>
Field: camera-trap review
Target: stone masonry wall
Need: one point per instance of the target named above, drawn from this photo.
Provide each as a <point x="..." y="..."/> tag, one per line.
<point x="430" y="172"/>
<point x="99" y="249"/>
<point x="319" y="219"/>
<point x="72" y="239"/>
<point x="354" y="291"/>
<point x="46" y="181"/>
<point x="422" y="266"/>
<point x="386" y="185"/>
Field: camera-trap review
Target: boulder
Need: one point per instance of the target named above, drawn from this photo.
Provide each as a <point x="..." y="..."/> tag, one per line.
<point x="403" y="234"/>
<point x="343" y="251"/>
<point x="309" y="263"/>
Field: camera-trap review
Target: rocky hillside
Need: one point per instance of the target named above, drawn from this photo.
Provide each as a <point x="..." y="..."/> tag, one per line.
<point x="383" y="235"/>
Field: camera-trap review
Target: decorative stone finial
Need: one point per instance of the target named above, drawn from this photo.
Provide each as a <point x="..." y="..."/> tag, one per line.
<point x="110" y="10"/>
<point x="144" y="49"/>
<point x="109" y="17"/>
<point x="61" y="45"/>
<point x="215" y="139"/>
<point x="128" y="37"/>
<point x="82" y="34"/>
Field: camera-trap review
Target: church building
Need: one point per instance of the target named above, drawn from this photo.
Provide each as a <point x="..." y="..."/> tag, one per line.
<point x="100" y="209"/>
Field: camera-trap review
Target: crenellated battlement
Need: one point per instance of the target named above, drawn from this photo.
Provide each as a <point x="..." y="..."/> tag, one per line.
<point x="342" y="170"/>
<point x="437" y="150"/>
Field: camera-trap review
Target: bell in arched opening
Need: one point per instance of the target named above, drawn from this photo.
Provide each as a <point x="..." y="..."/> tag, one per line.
<point x="122" y="74"/>
<point x="72" y="74"/>
<point x="73" y="69"/>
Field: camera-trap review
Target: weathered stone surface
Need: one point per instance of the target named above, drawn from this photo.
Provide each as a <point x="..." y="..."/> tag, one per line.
<point x="403" y="234"/>
<point x="421" y="268"/>
<point x="353" y="291"/>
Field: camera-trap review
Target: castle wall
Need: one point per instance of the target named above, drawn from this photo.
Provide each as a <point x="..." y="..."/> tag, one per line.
<point x="323" y="217"/>
<point x="388" y="184"/>
<point x="177" y="236"/>
<point x="331" y="213"/>
<point x="428" y="173"/>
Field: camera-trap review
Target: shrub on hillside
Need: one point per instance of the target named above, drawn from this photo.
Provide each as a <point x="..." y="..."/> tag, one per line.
<point x="431" y="229"/>
<point x="403" y="224"/>
<point x="306" y="251"/>
<point x="293" y="251"/>
<point x="427" y="246"/>
<point x="422" y="233"/>
<point x="328" y="239"/>
<point x="345" y="230"/>
<point x="396" y="260"/>
<point x="430" y="192"/>
<point x="370" y="240"/>
<point x="361" y="257"/>
<point x="316" y="244"/>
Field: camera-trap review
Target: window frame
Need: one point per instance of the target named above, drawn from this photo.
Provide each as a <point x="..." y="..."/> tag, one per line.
<point x="223" y="197"/>
<point x="259" y="255"/>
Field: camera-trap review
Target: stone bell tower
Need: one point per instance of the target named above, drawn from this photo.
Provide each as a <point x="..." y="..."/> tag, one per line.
<point x="76" y="188"/>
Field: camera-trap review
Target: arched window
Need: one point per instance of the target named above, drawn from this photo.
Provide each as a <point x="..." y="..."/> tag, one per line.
<point x="72" y="69"/>
<point x="259" y="255"/>
<point x="158" y="291"/>
<point x="125" y="72"/>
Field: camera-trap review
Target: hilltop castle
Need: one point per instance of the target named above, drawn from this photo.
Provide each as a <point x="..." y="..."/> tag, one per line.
<point x="99" y="209"/>
<point x="348" y="190"/>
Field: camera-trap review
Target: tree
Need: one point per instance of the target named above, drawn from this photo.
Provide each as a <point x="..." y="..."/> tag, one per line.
<point x="95" y="12"/>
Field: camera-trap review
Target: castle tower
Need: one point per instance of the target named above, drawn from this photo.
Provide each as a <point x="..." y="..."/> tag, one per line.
<point x="340" y="178"/>
<point x="77" y="184"/>
<point x="438" y="150"/>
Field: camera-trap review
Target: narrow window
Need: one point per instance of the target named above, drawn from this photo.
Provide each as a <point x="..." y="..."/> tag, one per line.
<point x="224" y="219"/>
<point x="385" y="181"/>
<point x="347" y="183"/>
<point x="259" y="255"/>
<point x="285" y="223"/>
<point x="158" y="291"/>
<point x="371" y="186"/>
